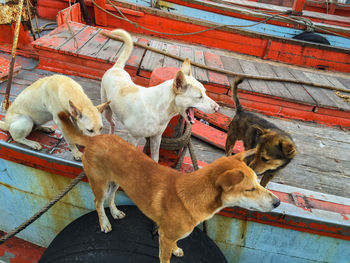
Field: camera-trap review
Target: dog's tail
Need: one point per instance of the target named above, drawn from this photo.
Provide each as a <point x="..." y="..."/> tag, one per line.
<point x="237" y="81"/>
<point x="128" y="46"/>
<point x="4" y="126"/>
<point x="71" y="131"/>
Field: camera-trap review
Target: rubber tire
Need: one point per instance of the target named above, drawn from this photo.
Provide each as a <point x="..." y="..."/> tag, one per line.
<point x="130" y="241"/>
<point x="312" y="37"/>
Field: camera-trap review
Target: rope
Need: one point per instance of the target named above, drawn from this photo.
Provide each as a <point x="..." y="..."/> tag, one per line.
<point x="69" y="187"/>
<point x="123" y="17"/>
<point x="178" y="143"/>
<point x="231" y="73"/>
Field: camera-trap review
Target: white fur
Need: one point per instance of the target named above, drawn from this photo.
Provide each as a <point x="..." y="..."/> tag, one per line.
<point x="146" y="112"/>
<point x="42" y="101"/>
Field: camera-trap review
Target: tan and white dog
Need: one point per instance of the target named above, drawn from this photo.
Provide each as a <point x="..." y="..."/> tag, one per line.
<point x="42" y="101"/>
<point x="146" y="112"/>
<point x="175" y="201"/>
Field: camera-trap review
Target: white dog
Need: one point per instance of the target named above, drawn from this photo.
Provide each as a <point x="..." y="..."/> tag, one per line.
<point x="42" y="101"/>
<point x="146" y="112"/>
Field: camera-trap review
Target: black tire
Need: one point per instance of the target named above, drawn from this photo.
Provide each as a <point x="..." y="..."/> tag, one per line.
<point x="312" y="37"/>
<point x="130" y="241"/>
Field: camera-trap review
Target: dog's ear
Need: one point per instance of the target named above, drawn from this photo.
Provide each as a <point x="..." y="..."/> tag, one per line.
<point x="288" y="149"/>
<point x="227" y="180"/>
<point x="186" y="67"/>
<point x="259" y="131"/>
<point x="74" y="111"/>
<point x="102" y="106"/>
<point x="179" y="84"/>
<point x="242" y="155"/>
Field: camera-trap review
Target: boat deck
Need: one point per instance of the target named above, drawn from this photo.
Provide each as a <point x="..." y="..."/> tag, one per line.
<point x="322" y="163"/>
<point x="80" y="50"/>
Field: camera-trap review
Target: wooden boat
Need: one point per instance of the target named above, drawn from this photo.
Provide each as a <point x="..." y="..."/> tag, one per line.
<point x="311" y="225"/>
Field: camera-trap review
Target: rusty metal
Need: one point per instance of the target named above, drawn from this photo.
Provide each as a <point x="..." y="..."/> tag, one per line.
<point x="9" y="12"/>
<point x="6" y="102"/>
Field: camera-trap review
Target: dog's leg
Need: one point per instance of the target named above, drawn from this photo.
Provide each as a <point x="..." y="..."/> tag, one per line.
<point x="165" y="248"/>
<point x="230" y="143"/>
<point x="177" y="251"/>
<point x="20" y="128"/>
<point x="109" y="117"/>
<point x="100" y="194"/>
<point x="46" y="129"/>
<point x="116" y="213"/>
<point x="132" y="140"/>
<point x="155" y="145"/>
<point x="267" y="176"/>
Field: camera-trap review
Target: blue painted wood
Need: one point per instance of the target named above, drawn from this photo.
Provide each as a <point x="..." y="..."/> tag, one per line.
<point x="250" y="242"/>
<point x="25" y="190"/>
<point x="228" y="20"/>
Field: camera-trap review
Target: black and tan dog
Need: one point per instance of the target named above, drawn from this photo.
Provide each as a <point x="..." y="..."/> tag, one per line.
<point x="275" y="148"/>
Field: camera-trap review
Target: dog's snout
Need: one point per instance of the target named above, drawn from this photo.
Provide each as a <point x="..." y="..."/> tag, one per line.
<point x="276" y="203"/>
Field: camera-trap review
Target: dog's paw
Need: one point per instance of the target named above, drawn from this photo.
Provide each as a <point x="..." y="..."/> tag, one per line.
<point x="117" y="214"/>
<point x="178" y="252"/>
<point x="35" y="145"/>
<point x="77" y="155"/>
<point x="106" y="227"/>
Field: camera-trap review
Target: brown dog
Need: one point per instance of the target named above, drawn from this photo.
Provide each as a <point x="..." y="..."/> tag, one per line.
<point x="175" y="201"/>
<point x="274" y="147"/>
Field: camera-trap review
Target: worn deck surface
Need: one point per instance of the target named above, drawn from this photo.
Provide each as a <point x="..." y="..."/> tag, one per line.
<point x="85" y="42"/>
<point x="322" y="163"/>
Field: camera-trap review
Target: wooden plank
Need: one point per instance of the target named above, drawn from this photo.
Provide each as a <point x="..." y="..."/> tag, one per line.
<point x="333" y="100"/>
<point x="201" y="74"/>
<point x="109" y="49"/>
<point x="137" y="53"/>
<point x="214" y="60"/>
<point x="59" y="36"/>
<point x="79" y="40"/>
<point x="151" y="59"/>
<point x="248" y="67"/>
<point x="93" y="46"/>
<point x="172" y="49"/>
<point x="336" y="83"/>
<point x="345" y="82"/>
<point x="277" y="89"/>
<point x="232" y="64"/>
<point x="297" y="91"/>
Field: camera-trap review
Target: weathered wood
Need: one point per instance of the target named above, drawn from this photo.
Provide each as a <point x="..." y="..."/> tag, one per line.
<point x="277" y="88"/>
<point x="93" y="46"/>
<point x="109" y="50"/>
<point x="332" y="99"/>
<point x="213" y="60"/>
<point x="297" y="91"/>
<point x="79" y="40"/>
<point x="151" y="59"/>
<point x="174" y="50"/>
<point x="233" y="64"/>
<point x="248" y="67"/>
<point x="201" y="74"/>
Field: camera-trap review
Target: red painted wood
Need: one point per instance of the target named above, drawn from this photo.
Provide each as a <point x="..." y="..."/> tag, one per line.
<point x="71" y="13"/>
<point x="298" y="6"/>
<point x="23" y="251"/>
<point x="288" y="51"/>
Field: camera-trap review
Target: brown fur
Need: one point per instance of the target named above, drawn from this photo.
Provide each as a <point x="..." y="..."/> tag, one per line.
<point x="275" y="148"/>
<point x="175" y="201"/>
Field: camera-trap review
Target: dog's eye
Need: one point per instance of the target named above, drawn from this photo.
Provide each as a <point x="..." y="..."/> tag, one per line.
<point x="264" y="159"/>
<point x="200" y="97"/>
<point x="251" y="190"/>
